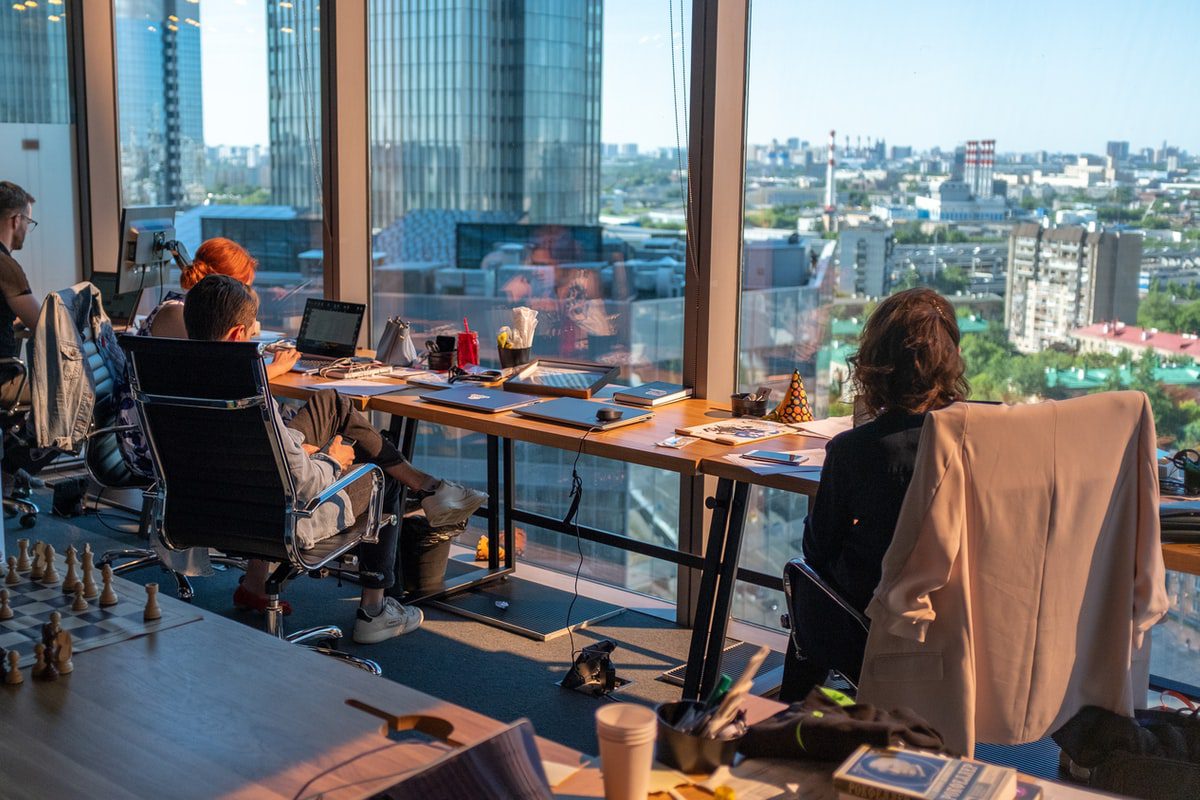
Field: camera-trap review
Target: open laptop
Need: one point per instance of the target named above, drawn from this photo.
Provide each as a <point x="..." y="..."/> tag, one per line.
<point x="328" y="332"/>
<point x="583" y="413"/>
<point x="477" y="398"/>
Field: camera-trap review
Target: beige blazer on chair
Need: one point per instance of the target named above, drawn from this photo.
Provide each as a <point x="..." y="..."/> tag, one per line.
<point x="1025" y="569"/>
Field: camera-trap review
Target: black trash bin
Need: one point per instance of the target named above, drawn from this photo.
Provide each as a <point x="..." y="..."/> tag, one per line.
<point x="423" y="553"/>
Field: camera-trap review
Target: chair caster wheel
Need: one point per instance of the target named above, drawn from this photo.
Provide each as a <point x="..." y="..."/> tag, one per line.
<point x="28" y="520"/>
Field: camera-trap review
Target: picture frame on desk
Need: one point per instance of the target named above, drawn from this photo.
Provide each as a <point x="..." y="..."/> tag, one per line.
<point x="560" y="378"/>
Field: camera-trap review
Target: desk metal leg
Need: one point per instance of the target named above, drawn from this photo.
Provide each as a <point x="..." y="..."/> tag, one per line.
<point x="493" y="507"/>
<point x="726" y="581"/>
<point x="703" y="624"/>
<point x="508" y="470"/>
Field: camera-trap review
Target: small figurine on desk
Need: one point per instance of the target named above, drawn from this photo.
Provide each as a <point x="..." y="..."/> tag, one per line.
<point x="794" y="405"/>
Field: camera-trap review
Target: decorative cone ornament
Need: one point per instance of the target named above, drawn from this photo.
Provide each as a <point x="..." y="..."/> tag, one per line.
<point x="794" y="405"/>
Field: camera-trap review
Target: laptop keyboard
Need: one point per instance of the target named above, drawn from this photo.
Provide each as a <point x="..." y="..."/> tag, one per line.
<point x="306" y="364"/>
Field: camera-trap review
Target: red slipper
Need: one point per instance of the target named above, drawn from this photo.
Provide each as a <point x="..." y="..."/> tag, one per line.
<point x="244" y="598"/>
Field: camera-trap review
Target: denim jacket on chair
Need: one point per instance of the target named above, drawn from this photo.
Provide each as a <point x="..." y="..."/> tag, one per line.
<point x="60" y="383"/>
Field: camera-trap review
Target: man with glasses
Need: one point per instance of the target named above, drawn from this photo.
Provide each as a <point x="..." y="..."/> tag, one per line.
<point x="16" y="298"/>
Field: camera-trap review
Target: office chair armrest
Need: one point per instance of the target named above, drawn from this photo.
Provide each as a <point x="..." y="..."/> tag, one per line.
<point x="12" y="361"/>
<point x="341" y="483"/>
<point x="110" y="429"/>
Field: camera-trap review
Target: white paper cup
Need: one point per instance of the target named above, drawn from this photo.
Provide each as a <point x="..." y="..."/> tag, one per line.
<point x="626" y="732"/>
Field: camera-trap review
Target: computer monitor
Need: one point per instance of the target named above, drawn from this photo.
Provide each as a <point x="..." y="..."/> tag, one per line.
<point x="147" y="247"/>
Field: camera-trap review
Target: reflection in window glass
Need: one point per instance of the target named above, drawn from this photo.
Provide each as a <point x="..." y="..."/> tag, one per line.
<point x="534" y="159"/>
<point x="37" y="136"/>
<point x="219" y="110"/>
<point x="1065" y="235"/>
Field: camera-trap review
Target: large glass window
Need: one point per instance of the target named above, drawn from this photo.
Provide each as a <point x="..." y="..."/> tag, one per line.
<point x="537" y="159"/>
<point x="1061" y="227"/>
<point x="219" y="113"/>
<point x="37" y="136"/>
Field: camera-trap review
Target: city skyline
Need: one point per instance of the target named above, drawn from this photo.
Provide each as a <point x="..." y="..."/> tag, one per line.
<point x="992" y="72"/>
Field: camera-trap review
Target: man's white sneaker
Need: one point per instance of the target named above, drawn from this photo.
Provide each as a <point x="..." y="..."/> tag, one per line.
<point x="394" y="620"/>
<point x="451" y="504"/>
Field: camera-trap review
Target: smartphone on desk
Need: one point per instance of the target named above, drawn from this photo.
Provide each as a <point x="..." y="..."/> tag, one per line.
<point x="775" y="457"/>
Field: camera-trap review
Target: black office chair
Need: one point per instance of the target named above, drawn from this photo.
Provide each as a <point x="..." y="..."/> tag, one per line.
<point x="12" y="419"/>
<point x="222" y="479"/>
<point x="827" y="633"/>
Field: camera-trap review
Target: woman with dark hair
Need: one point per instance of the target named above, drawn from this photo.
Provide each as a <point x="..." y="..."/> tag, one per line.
<point x="907" y="365"/>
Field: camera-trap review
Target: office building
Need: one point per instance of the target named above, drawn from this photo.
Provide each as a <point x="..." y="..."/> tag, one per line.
<point x="1117" y="151"/>
<point x="865" y="259"/>
<point x="162" y="118"/>
<point x="481" y="111"/>
<point x="1067" y="277"/>
<point x="954" y="201"/>
<point x="33" y="69"/>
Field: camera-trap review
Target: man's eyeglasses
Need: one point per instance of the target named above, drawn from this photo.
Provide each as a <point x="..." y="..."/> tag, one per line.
<point x="32" y="222"/>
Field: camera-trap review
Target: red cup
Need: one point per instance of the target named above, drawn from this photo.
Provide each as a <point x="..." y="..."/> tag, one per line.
<point x="468" y="348"/>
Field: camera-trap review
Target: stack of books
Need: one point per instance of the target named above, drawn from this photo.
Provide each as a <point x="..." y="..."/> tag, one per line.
<point x="894" y="774"/>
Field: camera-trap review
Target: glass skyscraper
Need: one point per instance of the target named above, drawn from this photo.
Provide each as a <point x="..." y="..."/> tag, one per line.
<point x="490" y="106"/>
<point x="159" y="95"/>
<point x="294" y="91"/>
<point x="33" y="65"/>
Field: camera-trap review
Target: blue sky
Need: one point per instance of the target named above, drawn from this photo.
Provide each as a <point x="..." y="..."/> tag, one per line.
<point x="1066" y="75"/>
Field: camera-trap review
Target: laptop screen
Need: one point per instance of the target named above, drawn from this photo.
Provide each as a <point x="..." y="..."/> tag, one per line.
<point x="330" y="327"/>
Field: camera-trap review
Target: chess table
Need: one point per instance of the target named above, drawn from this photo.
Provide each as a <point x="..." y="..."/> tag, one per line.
<point x="217" y="709"/>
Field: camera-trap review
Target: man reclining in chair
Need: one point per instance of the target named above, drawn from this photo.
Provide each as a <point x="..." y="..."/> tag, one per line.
<point x="221" y="308"/>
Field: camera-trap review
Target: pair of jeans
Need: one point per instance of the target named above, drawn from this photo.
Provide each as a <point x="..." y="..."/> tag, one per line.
<point x="327" y="414"/>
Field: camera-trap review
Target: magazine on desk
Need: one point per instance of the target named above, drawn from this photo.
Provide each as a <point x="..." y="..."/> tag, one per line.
<point x="738" y="430"/>
<point x="894" y="774"/>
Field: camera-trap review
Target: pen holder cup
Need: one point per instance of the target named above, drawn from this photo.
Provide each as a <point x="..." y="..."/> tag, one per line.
<point x="514" y="356"/>
<point x="442" y="360"/>
<point x="743" y="406"/>
<point x="687" y="752"/>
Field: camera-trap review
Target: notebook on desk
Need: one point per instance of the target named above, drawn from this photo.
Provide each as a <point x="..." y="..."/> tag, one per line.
<point x="328" y="332"/>
<point x="474" y="398"/>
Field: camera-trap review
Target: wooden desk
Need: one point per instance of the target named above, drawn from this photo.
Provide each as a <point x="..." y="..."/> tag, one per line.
<point x="634" y="444"/>
<point x="214" y="709"/>
<point x="1182" y="557"/>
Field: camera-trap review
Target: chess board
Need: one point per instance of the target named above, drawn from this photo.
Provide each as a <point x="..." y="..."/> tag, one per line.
<point x="32" y="603"/>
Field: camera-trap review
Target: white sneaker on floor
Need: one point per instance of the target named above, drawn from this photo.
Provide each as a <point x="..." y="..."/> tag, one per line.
<point x="451" y="503"/>
<point x="394" y="620"/>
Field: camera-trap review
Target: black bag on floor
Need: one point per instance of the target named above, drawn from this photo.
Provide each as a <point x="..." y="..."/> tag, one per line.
<point x="1154" y="754"/>
<point x="68" y="497"/>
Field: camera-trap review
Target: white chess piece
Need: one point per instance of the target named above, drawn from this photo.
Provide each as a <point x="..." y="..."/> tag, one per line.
<point x="23" y="555"/>
<point x="107" y="597"/>
<point x="37" y="568"/>
<point x="152" y="611"/>
<point x="12" y="579"/>
<point x="72" y="575"/>
<point x="89" y="578"/>
<point x="81" y="603"/>
<point x="13" y="676"/>
<point x="50" y="576"/>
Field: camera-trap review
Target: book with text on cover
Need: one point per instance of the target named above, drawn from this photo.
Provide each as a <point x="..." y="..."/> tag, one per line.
<point x="653" y="394"/>
<point x="894" y="774"/>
